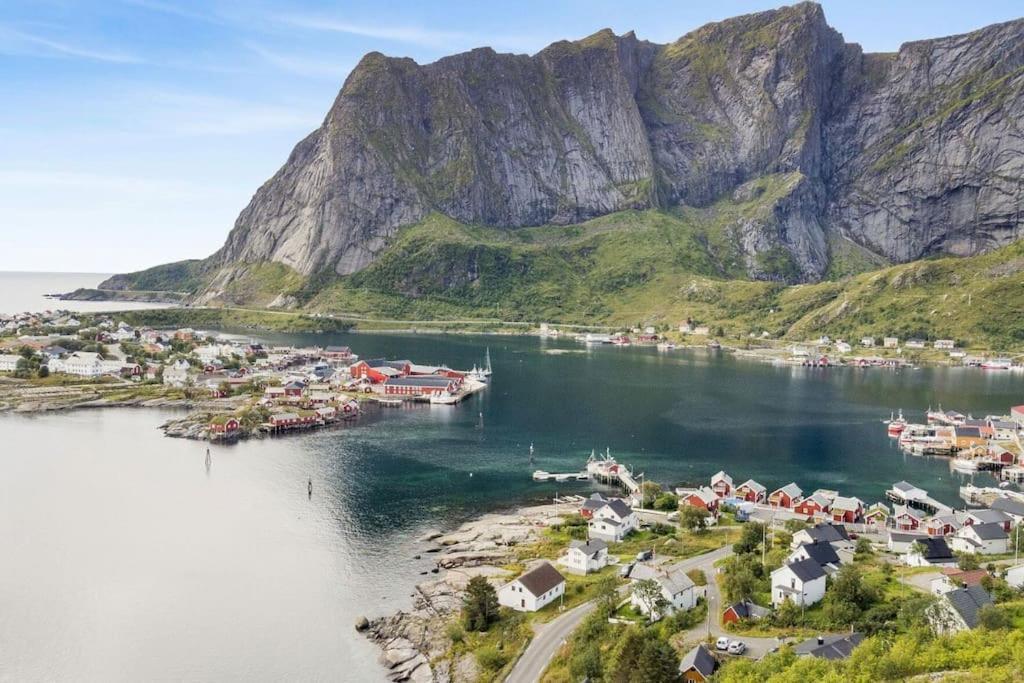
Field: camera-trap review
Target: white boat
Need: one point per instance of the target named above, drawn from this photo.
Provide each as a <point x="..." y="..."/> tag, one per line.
<point x="964" y="465"/>
<point x="444" y="398"/>
<point x="666" y="346"/>
<point x="541" y="475"/>
<point x="390" y="402"/>
<point x="997" y="364"/>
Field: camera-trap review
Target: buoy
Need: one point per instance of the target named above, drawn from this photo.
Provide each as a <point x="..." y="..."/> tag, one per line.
<point x="309" y="488"/>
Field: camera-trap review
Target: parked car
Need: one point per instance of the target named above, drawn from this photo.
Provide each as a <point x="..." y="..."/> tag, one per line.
<point x="644" y="555"/>
<point x="722" y="644"/>
<point x="737" y="647"/>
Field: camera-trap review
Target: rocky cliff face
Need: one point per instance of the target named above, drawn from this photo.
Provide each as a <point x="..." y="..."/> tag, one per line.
<point x="905" y="154"/>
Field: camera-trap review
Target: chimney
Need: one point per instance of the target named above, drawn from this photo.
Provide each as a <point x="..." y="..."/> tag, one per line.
<point x="821" y="640"/>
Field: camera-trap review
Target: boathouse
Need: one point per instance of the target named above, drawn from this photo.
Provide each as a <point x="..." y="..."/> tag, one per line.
<point x="420" y="385"/>
<point x="223" y="425"/>
<point x="812" y="505"/>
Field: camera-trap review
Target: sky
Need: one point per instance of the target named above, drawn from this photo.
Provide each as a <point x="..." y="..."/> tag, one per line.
<point x="132" y="132"/>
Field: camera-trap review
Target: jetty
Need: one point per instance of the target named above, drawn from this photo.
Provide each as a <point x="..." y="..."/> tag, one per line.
<point x="606" y="469"/>
<point x="905" y="493"/>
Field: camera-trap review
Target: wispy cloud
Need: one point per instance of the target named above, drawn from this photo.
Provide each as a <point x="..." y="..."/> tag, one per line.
<point x="177" y="10"/>
<point x="190" y="114"/>
<point x="413" y="35"/>
<point x="19" y="42"/>
<point x="303" y="65"/>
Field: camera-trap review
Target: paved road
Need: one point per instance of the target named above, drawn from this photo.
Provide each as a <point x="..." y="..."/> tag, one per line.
<point x="756" y="647"/>
<point x="548" y="639"/>
<point x="550" y="636"/>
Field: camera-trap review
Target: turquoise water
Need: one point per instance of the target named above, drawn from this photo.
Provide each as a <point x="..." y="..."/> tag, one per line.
<point x="125" y="559"/>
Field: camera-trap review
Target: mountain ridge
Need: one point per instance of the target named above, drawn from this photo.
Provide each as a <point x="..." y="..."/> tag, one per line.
<point x="903" y="155"/>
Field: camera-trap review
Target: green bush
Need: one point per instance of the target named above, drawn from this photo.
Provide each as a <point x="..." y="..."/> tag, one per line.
<point x="491" y="658"/>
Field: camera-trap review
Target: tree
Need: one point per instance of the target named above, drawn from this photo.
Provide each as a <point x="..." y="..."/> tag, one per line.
<point x="648" y="594"/>
<point x="658" y="663"/>
<point x="625" y="656"/>
<point x="787" y="614"/>
<point x="993" y="617"/>
<point x="585" y="662"/>
<point x="667" y="502"/>
<point x="607" y="594"/>
<point x="651" y="491"/>
<point x="848" y="587"/>
<point x="740" y="580"/>
<point x="750" y="538"/>
<point x="479" y="605"/>
<point x="44" y="371"/>
<point x="967" y="561"/>
<point x="693" y="518"/>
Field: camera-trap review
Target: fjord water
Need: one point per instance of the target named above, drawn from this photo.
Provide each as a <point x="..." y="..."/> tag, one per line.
<point x="125" y="559"/>
<point x="21" y="292"/>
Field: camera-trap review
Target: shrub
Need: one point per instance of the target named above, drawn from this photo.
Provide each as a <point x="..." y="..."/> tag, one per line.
<point x="491" y="658"/>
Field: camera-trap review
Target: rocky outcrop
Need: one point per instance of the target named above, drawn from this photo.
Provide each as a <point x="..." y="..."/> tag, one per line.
<point x="905" y="154"/>
<point x="414" y="644"/>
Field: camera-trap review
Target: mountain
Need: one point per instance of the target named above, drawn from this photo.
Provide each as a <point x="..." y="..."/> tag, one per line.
<point x="762" y="147"/>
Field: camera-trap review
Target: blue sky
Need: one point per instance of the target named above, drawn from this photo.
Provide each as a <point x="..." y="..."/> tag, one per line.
<point x="134" y="131"/>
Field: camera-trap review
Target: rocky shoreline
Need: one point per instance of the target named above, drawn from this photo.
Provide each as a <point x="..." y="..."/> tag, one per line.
<point x="414" y="644"/>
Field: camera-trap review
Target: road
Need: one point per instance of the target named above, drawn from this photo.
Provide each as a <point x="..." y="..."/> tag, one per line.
<point x="550" y="636"/>
<point x="756" y="647"/>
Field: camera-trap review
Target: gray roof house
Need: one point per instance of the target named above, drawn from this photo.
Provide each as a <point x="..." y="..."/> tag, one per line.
<point x="698" y="664"/>
<point x="829" y="647"/>
<point x="958" y="609"/>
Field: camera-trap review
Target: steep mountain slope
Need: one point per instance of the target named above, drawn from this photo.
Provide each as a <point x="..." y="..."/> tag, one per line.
<point x="786" y="154"/>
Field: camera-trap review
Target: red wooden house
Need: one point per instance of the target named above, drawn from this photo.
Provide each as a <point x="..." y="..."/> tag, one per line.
<point x="907" y="519"/>
<point x="703" y="498"/>
<point x="812" y="505"/>
<point x="848" y="510"/>
<point x="228" y="426"/>
<point x="721" y="484"/>
<point x="751" y="491"/>
<point x="785" y="497"/>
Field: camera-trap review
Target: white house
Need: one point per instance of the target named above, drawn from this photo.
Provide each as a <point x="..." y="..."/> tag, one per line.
<point x="613" y="521"/>
<point x="584" y="557"/>
<point x="802" y="581"/>
<point x="929" y="551"/>
<point x="538" y="587"/>
<point x="867" y="342"/>
<point x="678" y="592"/>
<point x="176" y="374"/>
<point x="957" y="610"/>
<point x="9" y="362"/>
<point x="1015" y="576"/>
<point x="843" y="347"/>
<point x="981" y="539"/>
<point x="821" y="552"/>
<point x="890" y="342"/>
<point x="947" y="344"/>
<point x="82" y="363"/>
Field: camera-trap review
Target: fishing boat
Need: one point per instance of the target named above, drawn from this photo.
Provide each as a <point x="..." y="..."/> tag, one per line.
<point x="896" y="425"/>
<point x="997" y="364"/>
<point x="444" y="398"/>
<point x="965" y="465"/>
<point x="390" y="402"/>
<point x="666" y="346"/>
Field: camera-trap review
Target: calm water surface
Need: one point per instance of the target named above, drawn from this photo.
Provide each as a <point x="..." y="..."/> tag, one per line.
<point x="126" y="560"/>
<point x="21" y="292"/>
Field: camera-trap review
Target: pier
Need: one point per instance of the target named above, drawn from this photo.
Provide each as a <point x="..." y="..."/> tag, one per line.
<point x="607" y="470"/>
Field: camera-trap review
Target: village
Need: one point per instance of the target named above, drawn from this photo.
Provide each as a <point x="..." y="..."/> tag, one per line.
<point x="243" y="387"/>
<point x="720" y="573"/>
<point x="883" y="352"/>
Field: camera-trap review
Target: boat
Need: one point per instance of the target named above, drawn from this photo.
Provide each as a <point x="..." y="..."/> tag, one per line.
<point x="896" y="425"/>
<point x="997" y="364"/>
<point x="541" y="475"/>
<point x="390" y="402"/>
<point x="713" y="344"/>
<point x="666" y="346"/>
<point x="444" y="398"/>
<point x="965" y="465"/>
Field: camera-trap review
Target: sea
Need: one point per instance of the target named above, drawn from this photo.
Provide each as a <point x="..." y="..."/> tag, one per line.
<point x="127" y="558"/>
<point x="26" y="292"/>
